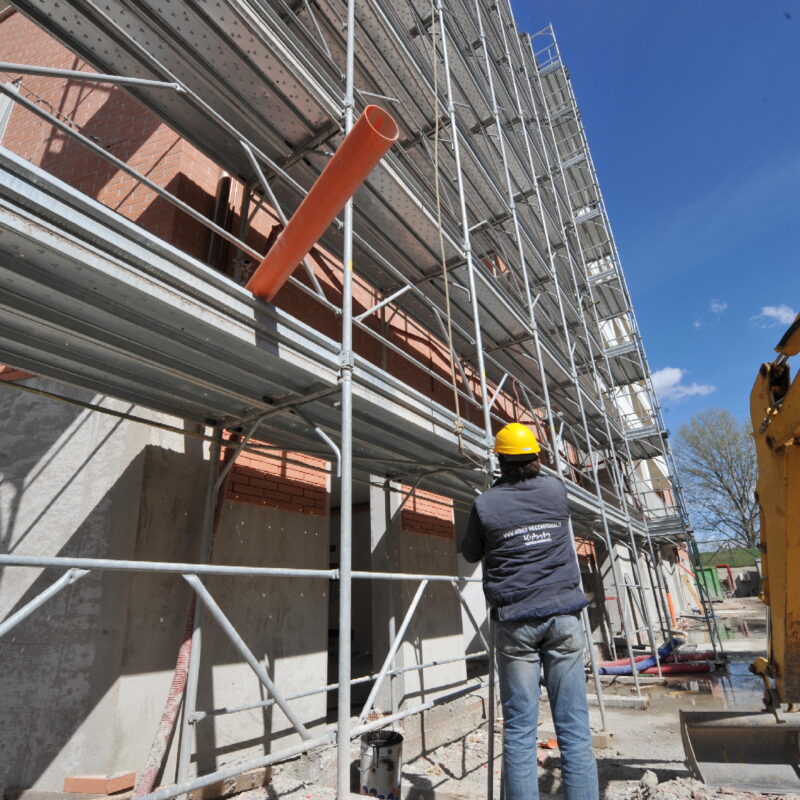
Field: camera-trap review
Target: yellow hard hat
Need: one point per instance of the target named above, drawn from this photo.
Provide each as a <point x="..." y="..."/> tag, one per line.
<point x="516" y="440"/>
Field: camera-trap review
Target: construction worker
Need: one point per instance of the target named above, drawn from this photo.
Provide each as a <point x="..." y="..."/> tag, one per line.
<point x="532" y="583"/>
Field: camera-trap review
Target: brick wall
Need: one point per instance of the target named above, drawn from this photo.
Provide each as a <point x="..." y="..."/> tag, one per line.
<point x="587" y="550"/>
<point x="289" y="481"/>
<point x="11" y="374"/>
<point x="113" y="119"/>
<point x="428" y="513"/>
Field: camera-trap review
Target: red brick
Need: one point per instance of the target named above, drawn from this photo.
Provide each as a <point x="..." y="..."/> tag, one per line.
<point x="252" y="491"/>
<point x="263" y="484"/>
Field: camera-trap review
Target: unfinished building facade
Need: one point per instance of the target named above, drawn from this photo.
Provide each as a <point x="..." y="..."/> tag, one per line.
<point x="271" y="494"/>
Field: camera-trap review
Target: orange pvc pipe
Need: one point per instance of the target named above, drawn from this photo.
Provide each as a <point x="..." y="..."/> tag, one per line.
<point x="373" y="134"/>
<point x="672" y="610"/>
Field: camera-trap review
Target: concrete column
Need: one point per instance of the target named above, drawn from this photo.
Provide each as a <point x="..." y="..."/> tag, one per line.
<point x="650" y="592"/>
<point x="385" y="531"/>
<point x="612" y="603"/>
<point x="362" y="591"/>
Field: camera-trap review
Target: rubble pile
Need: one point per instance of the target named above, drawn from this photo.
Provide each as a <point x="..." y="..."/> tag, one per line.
<point x="649" y="788"/>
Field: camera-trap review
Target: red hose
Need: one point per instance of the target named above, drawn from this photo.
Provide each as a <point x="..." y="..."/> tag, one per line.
<point x="705" y="655"/>
<point x="146" y="779"/>
<point x="682" y="669"/>
<point x="623" y="662"/>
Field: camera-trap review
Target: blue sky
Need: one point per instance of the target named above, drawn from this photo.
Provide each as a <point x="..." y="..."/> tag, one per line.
<point x="692" y="110"/>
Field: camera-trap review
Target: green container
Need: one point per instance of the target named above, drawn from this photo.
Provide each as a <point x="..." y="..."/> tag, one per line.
<point x="709" y="577"/>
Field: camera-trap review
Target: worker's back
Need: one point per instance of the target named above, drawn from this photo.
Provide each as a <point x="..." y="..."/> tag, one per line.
<point x="521" y="530"/>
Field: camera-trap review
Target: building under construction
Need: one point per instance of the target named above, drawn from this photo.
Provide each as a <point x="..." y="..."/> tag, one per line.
<point x="271" y="494"/>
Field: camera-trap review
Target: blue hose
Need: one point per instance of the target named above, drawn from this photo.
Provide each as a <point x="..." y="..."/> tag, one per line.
<point x="626" y="669"/>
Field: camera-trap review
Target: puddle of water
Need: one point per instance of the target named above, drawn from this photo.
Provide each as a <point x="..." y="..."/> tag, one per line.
<point x="740" y="627"/>
<point x="732" y="687"/>
<point x="729" y="688"/>
<point x="728" y="628"/>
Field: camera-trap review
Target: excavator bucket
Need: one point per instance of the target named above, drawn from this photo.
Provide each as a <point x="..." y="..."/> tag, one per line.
<point x="748" y="750"/>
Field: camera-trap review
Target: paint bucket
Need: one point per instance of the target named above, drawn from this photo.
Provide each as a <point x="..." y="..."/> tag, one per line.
<point x="380" y="765"/>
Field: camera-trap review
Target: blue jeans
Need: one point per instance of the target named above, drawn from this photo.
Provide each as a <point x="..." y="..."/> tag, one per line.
<point x="557" y="644"/>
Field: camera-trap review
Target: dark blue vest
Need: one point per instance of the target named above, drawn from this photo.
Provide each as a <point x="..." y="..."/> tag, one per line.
<point x="521" y="531"/>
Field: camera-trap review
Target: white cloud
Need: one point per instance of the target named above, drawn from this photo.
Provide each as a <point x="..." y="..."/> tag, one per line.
<point x="668" y="383"/>
<point x="697" y="324"/>
<point x="774" y="315"/>
<point x="717" y="306"/>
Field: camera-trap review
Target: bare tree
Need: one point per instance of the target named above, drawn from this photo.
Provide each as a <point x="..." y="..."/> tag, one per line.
<point x="717" y="465"/>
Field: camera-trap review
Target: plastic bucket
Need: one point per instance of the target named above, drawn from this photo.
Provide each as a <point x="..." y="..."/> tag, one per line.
<point x="380" y="765"/>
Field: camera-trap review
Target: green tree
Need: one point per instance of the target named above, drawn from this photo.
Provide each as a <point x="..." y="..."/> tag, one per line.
<point x="716" y="460"/>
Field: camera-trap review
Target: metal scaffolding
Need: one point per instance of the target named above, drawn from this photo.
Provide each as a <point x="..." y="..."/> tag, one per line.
<point x="485" y="225"/>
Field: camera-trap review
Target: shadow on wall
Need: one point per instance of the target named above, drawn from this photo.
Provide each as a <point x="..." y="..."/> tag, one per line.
<point x="120" y="125"/>
<point x="127" y="130"/>
<point x="85" y="677"/>
<point x="25" y="457"/>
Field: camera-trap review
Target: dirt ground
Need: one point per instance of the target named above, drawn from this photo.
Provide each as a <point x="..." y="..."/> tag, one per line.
<point x="644" y="759"/>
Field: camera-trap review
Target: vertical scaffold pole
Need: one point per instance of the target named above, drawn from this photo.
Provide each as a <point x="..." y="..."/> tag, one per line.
<point x="521" y="254"/>
<point x="598" y="491"/>
<point x="491" y="715"/>
<point x="467" y="248"/>
<point x="346" y="493"/>
<point x="465" y="244"/>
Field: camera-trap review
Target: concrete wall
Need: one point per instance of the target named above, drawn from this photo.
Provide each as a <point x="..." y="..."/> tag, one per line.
<point x="71" y="485"/>
<point x="592" y="580"/>
<point x="86" y="676"/>
<point x="435" y="631"/>
<point x="611" y="601"/>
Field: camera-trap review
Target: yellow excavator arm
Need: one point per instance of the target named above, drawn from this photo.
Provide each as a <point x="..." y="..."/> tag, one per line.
<point x="760" y="750"/>
<point x="775" y="414"/>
